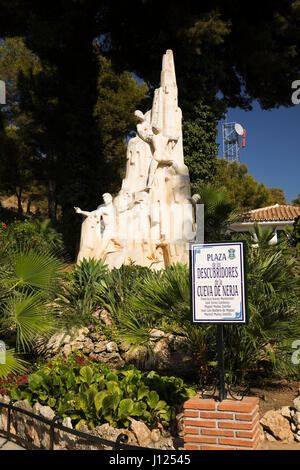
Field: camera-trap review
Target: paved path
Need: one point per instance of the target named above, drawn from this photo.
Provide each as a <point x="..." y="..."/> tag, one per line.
<point x="8" y="445"/>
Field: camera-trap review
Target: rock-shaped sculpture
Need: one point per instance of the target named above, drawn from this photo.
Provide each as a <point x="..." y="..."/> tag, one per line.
<point x="151" y="220"/>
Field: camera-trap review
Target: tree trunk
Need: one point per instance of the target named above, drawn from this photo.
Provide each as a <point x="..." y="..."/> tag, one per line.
<point x="52" y="205"/>
<point x="19" y="198"/>
<point x="28" y="206"/>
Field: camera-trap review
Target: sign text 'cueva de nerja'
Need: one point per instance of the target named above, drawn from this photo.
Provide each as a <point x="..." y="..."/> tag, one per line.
<point x="218" y="283"/>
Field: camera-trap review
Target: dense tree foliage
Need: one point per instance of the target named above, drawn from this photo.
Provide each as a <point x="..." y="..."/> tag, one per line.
<point x="199" y="146"/>
<point x="226" y="54"/>
<point x="296" y="201"/>
<point x="242" y="189"/>
<point x="276" y="196"/>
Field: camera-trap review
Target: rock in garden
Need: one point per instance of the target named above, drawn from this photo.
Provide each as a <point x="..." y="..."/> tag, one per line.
<point x="136" y="355"/>
<point x="155" y="334"/>
<point x="66" y="339"/>
<point x="141" y="432"/>
<point x="97" y="336"/>
<point x="155" y="435"/>
<point x="67" y="349"/>
<point x="100" y="346"/>
<point x="36" y="408"/>
<point x="297" y="403"/>
<point x="297" y="417"/>
<point x="4" y="399"/>
<point x="104" y="315"/>
<point x="77" y="345"/>
<point x="124" y="346"/>
<point x="286" y="412"/>
<point x="67" y="422"/>
<point x="88" y="346"/>
<point x="47" y="412"/>
<point x="162" y="353"/>
<point x="278" y="426"/>
<point x="23" y="404"/>
<point x="111" y="347"/>
<point x="179" y="421"/>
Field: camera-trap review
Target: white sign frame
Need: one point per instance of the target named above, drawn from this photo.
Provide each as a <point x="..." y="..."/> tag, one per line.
<point x="208" y="304"/>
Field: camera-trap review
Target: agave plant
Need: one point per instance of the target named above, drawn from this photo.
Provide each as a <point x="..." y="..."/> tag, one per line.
<point x="77" y="300"/>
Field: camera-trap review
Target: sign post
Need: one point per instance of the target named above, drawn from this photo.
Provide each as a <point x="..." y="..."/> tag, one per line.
<point x="218" y="290"/>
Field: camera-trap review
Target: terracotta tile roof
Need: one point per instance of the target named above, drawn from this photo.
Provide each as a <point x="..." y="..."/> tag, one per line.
<point x="277" y="212"/>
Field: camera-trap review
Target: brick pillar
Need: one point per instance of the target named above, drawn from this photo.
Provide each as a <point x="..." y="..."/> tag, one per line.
<point x="226" y="425"/>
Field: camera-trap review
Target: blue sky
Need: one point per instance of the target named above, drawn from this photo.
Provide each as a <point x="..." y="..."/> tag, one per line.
<point x="272" y="146"/>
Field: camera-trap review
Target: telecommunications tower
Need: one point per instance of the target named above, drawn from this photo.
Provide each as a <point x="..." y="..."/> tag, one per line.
<point x="233" y="133"/>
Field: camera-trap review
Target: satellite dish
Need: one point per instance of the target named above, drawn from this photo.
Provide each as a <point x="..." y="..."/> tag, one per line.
<point x="238" y="129"/>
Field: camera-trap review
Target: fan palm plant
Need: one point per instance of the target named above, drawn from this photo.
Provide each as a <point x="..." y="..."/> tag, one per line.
<point x="28" y="283"/>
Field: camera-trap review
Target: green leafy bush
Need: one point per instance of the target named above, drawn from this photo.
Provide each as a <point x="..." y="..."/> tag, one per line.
<point x="90" y="392"/>
<point x="31" y="233"/>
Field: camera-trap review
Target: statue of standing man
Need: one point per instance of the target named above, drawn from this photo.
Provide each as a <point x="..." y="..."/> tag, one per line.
<point x="93" y="243"/>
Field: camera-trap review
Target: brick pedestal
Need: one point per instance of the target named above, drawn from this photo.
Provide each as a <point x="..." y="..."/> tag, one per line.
<point x="226" y="425"/>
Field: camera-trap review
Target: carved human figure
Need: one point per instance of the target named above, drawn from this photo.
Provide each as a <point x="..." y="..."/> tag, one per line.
<point x="123" y="203"/>
<point x="91" y="238"/>
<point x="138" y="161"/>
<point x="161" y="145"/>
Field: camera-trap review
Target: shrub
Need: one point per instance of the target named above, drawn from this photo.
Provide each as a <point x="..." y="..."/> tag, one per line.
<point x="90" y="392"/>
<point x="33" y="233"/>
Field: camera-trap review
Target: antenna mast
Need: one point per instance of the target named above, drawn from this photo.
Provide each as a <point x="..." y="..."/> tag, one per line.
<point x="231" y="132"/>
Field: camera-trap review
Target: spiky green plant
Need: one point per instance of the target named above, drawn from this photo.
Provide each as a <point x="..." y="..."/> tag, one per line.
<point x="261" y="236"/>
<point x="78" y="299"/>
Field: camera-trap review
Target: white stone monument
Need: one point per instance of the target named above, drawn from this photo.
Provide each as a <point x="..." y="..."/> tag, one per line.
<point x="151" y="220"/>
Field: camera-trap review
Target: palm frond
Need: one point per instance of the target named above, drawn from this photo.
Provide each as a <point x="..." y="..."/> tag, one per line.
<point x="27" y="312"/>
<point x="12" y="364"/>
<point x="35" y="270"/>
